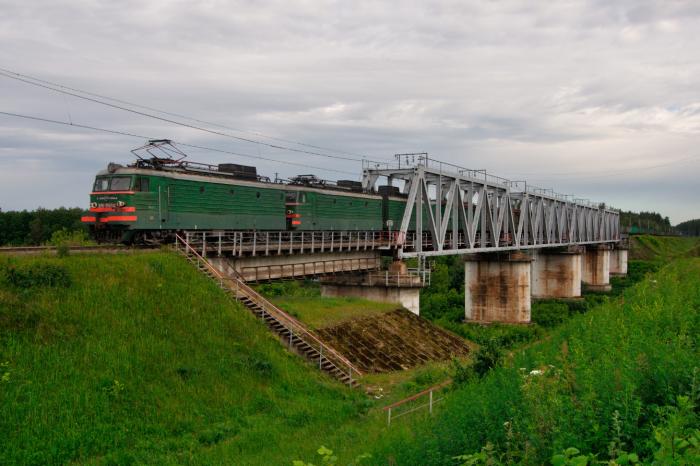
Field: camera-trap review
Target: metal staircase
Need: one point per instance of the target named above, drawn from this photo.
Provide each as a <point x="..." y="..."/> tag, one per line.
<point x="290" y="331"/>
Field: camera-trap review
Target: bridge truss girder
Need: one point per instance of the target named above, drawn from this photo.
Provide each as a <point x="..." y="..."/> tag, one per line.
<point x="482" y="213"/>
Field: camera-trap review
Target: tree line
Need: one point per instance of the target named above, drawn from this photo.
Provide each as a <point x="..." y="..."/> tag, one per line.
<point x="645" y="222"/>
<point x="36" y="227"/>
<point x="689" y="228"/>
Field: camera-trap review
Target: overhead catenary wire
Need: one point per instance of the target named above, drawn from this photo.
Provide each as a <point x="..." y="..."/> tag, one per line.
<point x="140" y="136"/>
<point x="179" y="115"/>
<point x="63" y="90"/>
<point x="75" y="92"/>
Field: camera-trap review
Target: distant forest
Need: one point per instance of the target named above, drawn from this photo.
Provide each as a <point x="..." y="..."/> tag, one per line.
<point x="31" y="228"/>
<point x="23" y="228"/>
<point x="645" y="222"/>
<point x="689" y="228"/>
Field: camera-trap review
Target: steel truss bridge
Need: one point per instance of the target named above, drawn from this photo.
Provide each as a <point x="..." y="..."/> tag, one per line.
<point x="478" y="212"/>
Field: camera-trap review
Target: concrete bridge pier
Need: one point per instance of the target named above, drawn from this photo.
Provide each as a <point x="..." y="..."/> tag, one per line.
<point x="497" y="287"/>
<point x="618" y="261"/>
<point x="595" y="268"/>
<point x="556" y="273"/>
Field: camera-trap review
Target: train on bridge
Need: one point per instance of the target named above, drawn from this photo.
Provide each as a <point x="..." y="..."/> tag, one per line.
<point x="151" y="199"/>
<point x="438" y="209"/>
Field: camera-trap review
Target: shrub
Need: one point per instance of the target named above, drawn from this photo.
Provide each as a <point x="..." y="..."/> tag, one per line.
<point x="37" y="274"/>
<point x="487" y="356"/>
<point x="549" y="314"/>
<point x="462" y="373"/>
<point x="65" y="237"/>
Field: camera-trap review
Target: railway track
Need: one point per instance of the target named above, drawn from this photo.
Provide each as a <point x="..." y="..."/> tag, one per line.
<point x="103" y="248"/>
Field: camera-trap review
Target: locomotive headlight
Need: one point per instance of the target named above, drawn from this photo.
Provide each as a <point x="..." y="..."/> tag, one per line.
<point x="121" y="204"/>
<point x="93" y="205"/>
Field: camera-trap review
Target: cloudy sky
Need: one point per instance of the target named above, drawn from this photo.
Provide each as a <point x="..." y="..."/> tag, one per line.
<point x="598" y="98"/>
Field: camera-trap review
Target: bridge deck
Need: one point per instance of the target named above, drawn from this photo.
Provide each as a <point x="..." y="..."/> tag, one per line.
<point x="282" y="243"/>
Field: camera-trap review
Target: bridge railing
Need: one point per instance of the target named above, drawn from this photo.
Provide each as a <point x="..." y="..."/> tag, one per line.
<point x="266" y="243"/>
<point x="414" y="278"/>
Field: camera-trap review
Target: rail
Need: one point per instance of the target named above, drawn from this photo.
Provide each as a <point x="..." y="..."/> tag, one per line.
<point x="53" y="249"/>
<point x="295" y="327"/>
<point x="427" y="392"/>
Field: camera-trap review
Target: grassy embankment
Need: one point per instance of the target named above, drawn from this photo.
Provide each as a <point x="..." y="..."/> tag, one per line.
<point x="141" y="360"/>
<point x="303" y="300"/>
<point x="612" y="380"/>
<point x="663" y="248"/>
<point x="443" y="301"/>
<point x="110" y="359"/>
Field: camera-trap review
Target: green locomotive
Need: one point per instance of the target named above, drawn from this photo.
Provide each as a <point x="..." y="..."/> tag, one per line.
<point x="153" y="198"/>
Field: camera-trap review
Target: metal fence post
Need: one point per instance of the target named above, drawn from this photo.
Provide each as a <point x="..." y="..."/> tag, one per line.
<point x="430" y="407"/>
<point x="388" y="418"/>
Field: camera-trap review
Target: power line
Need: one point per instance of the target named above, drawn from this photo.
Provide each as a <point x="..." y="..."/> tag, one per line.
<point x="179" y="115"/>
<point x="19" y="77"/>
<point x="59" y="122"/>
<point x="124" y="133"/>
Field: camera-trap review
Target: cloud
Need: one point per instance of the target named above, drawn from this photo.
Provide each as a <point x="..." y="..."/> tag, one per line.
<point x="515" y="87"/>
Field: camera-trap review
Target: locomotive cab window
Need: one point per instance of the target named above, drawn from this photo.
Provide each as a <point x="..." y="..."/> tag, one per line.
<point x="101" y="184"/>
<point x="120" y="183"/>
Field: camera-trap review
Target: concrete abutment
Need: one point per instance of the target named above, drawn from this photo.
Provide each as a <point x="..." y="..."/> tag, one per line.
<point x="406" y="297"/>
<point x="396" y="285"/>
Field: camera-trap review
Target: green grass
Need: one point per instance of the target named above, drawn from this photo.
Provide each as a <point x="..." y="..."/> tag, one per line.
<point x="304" y="301"/>
<point x="663" y="248"/>
<point x="632" y="356"/>
<point x="139" y="359"/>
